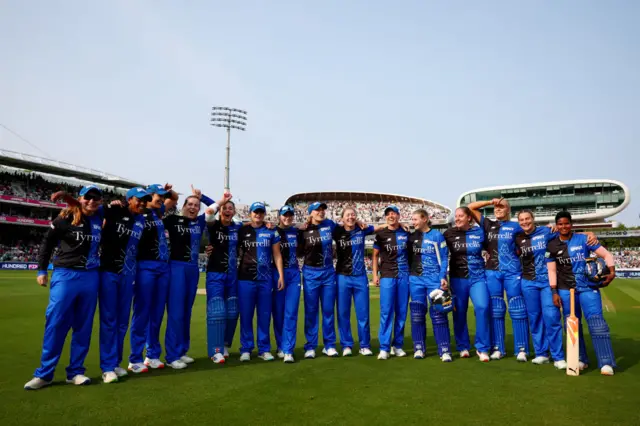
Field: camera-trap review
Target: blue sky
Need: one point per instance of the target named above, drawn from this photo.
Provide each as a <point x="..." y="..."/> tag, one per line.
<point x="429" y="99"/>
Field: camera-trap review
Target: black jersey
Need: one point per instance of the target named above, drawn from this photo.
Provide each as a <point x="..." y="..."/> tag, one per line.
<point x="120" y="237"/>
<point x="78" y="245"/>
<point x="350" y="250"/>
<point x="288" y="246"/>
<point x="255" y="252"/>
<point x="184" y="237"/>
<point x="224" y="240"/>
<point x="153" y="243"/>
<point x="315" y="244"/>
<point x="394" y="258"/>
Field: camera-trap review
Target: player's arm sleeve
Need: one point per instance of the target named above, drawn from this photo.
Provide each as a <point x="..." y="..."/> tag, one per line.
<point x="206" y="200"/>
<point x="332" y="224"/>
<point x="444" y="258"/>
<point x="275" y="238"/>
<point x="369" y="230"/>
<point x="550" y="254"/>
<point x="51" y="240"/>
<point x="590" y="247"/>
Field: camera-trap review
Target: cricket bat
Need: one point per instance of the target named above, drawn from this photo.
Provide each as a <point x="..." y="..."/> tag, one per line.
<point x="573" y="339"/>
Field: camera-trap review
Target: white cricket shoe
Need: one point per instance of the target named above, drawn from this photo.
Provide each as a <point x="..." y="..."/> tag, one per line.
<point x="383" y="355"/>
<point x="36" y="383"/>
<point x="310" y="354"/>
<point x="109" y="377"/>
<point x="331" y="352"/>
<point x="280" y="354"/>
<point x="496" y="355"/>
<point x="245" y="357"/>
<point x="288" y="358"/>
<point x="366" y="352"/>
<point x="187" y="359"/>
<point x="154" y="363"/>
<point x="418" y="354"/>
<point x="79" y="380"/>
<point x="347" y="351"/>
<point x="218" y="359"/>
<point x="539" y="360"/>
<point x="446" y="357"/>
<point x="607" y="370"/>
<point x="522" y="357"/>
<point x="560" y="365"/>
<point x="266" y="356"/>
<point x="226" y="351"/>
<point x="582" y="366"/>
<point x="177" y="365"/>
<point x="120" y="372"/>
<point x="464" y="354"/>
<point x="137" y="368"/>
<point x="398" y="352"/>
<point x="483" y="357"/>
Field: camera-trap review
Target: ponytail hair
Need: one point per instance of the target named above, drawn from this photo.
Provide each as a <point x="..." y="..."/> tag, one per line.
<point x="467" y="211"/>
<point x="73" y="211"/>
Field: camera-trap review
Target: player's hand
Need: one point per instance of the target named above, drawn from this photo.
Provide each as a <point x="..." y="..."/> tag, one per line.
<point x="117" y="203"/>
<point x="557" y="300"/>
<point x="376" y="281"/>
<point x="405" y="227"/>
<point x="497" y="201"/>
<point x="303" y="226"/>
<point x="553" y="228"/>
<point x="269" y="225"/>
<point x="57" y="196"/>
<point x="42" y="280"/>
<point x="592" y="240"/>
<point x="280" y="284"/>
<point x="210" y="211"/>
<point x="196" y="192"/>
<point x="444" y="285"/>
<point x="168" y="187"/>
<point x="226" y="197"/>
<point x="608" y="279"/>
<point x="208" y="250"/>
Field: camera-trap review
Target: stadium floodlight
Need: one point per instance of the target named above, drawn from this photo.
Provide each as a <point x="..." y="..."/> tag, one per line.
<point x="229" y="118"/>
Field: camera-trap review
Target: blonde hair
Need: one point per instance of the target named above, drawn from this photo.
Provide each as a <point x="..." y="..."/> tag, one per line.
<point x="75" y="212"/>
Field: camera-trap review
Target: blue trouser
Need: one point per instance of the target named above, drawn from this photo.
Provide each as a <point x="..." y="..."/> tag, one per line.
<point x="225" y="286"/>
<point x="150" y="291"/>
<point x="476" y="289"/>
<point x="544" y="319"/>
<point x="498" y="282"/>
<point x="252" y="296"/>
<point x="114" y="299"/>
<point x="319" y="290"/>
<point x="394" y="299"/>
<point x="72" y="304"/>
<point x="183" y="287"/>
<point x="419" y="288"/>
<point x="284" y="308"/>
<point x="590" y="303"/>
<point x="358" y="288"/>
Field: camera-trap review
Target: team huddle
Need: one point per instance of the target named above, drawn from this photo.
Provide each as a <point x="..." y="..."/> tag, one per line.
<point x="132" y="256"/>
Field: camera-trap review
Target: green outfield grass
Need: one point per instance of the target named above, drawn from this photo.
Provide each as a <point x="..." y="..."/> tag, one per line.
<point x="355" y="390"/>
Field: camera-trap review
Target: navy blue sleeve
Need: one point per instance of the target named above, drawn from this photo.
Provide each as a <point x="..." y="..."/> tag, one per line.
<point x="206" y="200"/>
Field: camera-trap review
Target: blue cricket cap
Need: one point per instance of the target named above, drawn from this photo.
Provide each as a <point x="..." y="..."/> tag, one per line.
<point x="156" y="188"/>
<point x="315" y="206"/>
<point x="257" y="206"/>
<point x="287" y="209"/>
<point x="138" y="192"/>
<point x="86" y="189"/>
<point x="391" y="208"/>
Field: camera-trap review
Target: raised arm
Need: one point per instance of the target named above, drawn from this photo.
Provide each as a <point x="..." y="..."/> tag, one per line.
<point x="172" y="200"/>
<point x="477" y="205"/>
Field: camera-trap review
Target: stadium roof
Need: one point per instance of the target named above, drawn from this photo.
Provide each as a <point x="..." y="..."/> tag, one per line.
<point x="357" y="196"/>
<point x="45" y="165"/>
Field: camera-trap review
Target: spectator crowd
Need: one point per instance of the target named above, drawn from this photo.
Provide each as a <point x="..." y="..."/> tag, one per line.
<point x="627" y="258"/>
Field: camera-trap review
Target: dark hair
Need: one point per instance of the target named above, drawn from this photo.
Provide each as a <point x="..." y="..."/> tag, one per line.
<point x="186" y="200"/>
<point x="423" y="214"/>
<point x="526" y="211"/>
<point x="565" y="215"/>
<point x="467" y="211"/>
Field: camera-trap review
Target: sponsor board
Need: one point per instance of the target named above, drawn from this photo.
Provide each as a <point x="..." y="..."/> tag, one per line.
<point x="18" y="266"/>
<point x="24" y="221"/>
<point x="30" y="202"/>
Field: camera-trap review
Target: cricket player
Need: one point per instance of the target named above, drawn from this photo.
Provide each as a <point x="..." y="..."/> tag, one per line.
<point x="544" y="316"/>
<point x="151" y="285"/>
<point x="428" y="261"/>
<point x="566" y="256"/>
<point x="74" y="286"/>
<point x="315" y="246"/>
<point x="185" y="233"/>
<point x="390" y="248"/>
<point x="503" y="273"/>
<point x="257" y="247"/>
<point x="466" y="269"/>
<point x="285" y="303"/>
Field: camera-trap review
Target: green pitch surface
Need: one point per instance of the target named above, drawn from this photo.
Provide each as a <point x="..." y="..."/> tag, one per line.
<point x="357" y="390"/>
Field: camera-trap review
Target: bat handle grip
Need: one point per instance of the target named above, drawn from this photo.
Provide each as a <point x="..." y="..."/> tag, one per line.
<point x="572" y="299"/>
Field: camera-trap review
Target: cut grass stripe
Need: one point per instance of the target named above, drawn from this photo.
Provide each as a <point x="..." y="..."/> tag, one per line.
<point x="631" y="292"/>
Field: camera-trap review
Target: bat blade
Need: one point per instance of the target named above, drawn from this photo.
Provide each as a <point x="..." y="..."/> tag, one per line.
<point x="573" y="344"/>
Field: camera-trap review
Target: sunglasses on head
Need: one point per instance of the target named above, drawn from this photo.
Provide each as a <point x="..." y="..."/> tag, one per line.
<point x="94" y="197"/>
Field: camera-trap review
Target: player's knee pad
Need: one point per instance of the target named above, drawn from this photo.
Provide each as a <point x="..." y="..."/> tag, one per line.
<point x="517" y="308"/>
<point x="498" y="307"/>
<point x="438" y="317"/>
<point x="418" y="312"/>
<point x="232" y="308"/>
<point x="598" y="327"/>
<point x="215" y="310"/>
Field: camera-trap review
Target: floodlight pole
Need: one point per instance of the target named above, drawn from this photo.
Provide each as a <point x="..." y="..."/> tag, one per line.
<point x="229" y="118"/>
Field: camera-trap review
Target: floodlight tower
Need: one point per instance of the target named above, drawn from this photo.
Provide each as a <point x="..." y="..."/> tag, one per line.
<point x="229" y="118"/>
